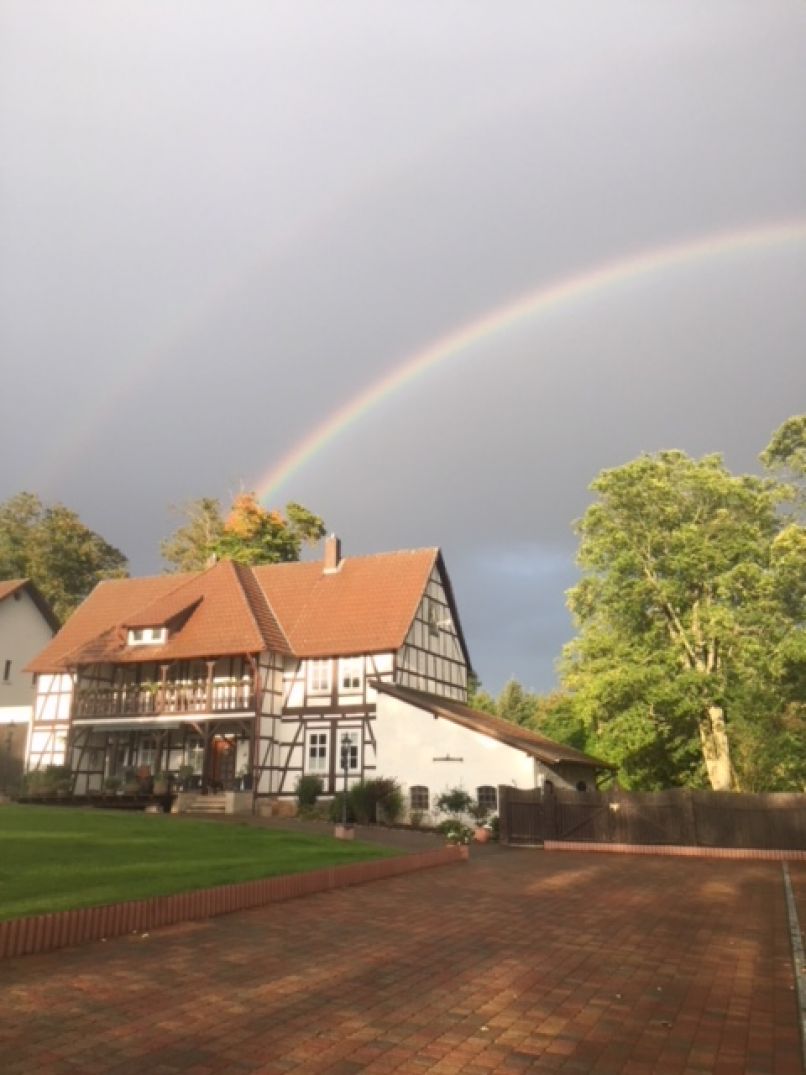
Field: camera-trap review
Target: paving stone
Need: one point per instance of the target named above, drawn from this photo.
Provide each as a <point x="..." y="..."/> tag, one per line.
<point x="521" y="961"/>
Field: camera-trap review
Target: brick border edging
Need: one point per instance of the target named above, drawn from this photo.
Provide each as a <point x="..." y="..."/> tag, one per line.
<point x="673" y="850"/>
<point x="63" y="929"/>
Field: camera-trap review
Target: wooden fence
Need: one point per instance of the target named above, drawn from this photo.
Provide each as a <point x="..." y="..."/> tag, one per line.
<point x="679" y="817"/>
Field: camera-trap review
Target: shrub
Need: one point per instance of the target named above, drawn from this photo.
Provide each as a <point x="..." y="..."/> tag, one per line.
<point x="361" y="802"/>
<point x="308" y="790"/>
<point x="455" y="832"/>
<point x="49" y="780"/>
<point x="455" y="801"/>
<point x="336" y="808"/>
<point x="320" y="811"/>
<point x="416" y="818"/>
<point x="376" y="800"/>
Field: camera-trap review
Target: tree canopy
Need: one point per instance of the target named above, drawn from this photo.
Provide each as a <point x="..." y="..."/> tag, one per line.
<point x="52" y="546"/>
<point x="248" y="534"/>
<point x="689" y="663"/>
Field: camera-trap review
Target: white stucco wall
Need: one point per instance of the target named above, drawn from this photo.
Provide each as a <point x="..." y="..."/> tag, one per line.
<point x="410" y="740"/>
<point x="23" y="634"/>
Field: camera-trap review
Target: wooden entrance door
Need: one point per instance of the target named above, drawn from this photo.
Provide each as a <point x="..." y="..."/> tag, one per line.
<point x="222" y="762"/>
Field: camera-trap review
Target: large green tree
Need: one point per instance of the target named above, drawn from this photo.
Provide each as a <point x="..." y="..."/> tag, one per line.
<point x="52" y="546"/>
<point x="690" y="615"/>
<point x="249" y="534"/>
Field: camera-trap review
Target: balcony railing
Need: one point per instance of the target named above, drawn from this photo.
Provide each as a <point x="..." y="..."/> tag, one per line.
<point x="143" y="700"/>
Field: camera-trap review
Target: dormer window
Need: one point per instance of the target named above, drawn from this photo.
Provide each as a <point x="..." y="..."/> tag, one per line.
<point x="147" y="636"/>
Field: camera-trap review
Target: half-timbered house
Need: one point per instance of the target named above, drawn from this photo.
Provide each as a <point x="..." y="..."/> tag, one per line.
<point x="241" y="679"/>
<point x="248" y="675"/>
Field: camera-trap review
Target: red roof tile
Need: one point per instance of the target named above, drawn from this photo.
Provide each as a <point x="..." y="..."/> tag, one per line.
<point x="365" y="606"/>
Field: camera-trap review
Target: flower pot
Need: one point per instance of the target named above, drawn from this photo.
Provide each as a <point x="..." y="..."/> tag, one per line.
<point x="481" y="835"/>
<point x="344" y="832"/>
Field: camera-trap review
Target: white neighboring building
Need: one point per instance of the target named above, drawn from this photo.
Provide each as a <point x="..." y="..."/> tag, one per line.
<point x="27" y="623"/>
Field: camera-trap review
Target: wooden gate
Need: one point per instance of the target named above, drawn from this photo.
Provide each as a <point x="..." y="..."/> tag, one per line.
<point x="522" y="815"/>
<point x="678" y="816"/>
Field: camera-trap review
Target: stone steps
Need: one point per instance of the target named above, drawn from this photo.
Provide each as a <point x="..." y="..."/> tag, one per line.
<point x="205" y="804"/>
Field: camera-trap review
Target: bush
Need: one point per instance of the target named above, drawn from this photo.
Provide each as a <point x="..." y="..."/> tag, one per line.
<point x="455" y="801"/>
<point x="49" y="780"/>
<point x="336" y="809"/>
<point x="455" y="832"/>
<point x="308" y="789"/>
<point x="376" y="800"/>
<point x="320" y="811"/>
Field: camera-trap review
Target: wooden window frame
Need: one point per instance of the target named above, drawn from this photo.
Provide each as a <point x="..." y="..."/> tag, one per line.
<point x="416" y="793"/>
<point x="322" y="736"/>
<point x="317" y="665"/>
<point x="352" y="669"/>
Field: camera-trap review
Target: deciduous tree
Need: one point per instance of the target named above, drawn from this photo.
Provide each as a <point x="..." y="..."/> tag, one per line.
<point x="56" y="550"/>
<point x="249" y="534"/>
<point x="690" y="607"/>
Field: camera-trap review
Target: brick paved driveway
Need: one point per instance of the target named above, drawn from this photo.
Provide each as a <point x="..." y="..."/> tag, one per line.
<point x="520" y="961"/>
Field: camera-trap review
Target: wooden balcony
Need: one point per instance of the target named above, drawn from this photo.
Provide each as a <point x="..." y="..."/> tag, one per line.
<point x="168" y="699"/>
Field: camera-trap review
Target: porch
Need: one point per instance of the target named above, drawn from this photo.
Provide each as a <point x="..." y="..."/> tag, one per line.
<point x="155" y="756"/>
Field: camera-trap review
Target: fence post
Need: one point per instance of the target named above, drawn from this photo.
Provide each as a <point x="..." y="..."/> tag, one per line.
<point x="503" y="813"/>
<point x="691" y="813"/>
<point x="550" y="826"/>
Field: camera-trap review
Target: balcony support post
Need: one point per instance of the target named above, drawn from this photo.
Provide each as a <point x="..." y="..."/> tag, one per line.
<point x="163" y="692"/>
<point x="210" y="669"/>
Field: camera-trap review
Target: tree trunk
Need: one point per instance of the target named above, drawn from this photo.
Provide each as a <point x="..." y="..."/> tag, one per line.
<point x="715" y="748"/>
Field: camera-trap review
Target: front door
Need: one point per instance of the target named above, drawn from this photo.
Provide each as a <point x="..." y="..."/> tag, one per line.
<point x="222" y="763"/>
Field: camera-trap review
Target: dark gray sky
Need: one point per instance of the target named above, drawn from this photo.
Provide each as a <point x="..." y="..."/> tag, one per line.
<point x="220" y="222"/>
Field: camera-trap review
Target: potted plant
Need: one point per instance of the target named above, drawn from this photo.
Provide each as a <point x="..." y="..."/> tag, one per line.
<point x="112" y="785"/>
<point x="479" y="814"/>
<point x="186" y="774"/>
<point x="161" y="783"/>
<point x="455" y="802"/>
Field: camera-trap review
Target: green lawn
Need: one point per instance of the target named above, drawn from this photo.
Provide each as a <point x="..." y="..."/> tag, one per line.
<point x="55" y="858"/>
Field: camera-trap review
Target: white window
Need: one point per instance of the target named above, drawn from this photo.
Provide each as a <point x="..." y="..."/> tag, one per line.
<point x="319" y="676"/>
<point x="148" y="752"/>
<point x="316" y="752"/>
<point x="349" y="749"/>
<point x="351" y="674"/>
<point x="194" y="754"/>
<point x="147" y="636"/>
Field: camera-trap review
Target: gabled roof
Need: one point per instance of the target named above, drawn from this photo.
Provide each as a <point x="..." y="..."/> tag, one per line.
<point x="12" y="586"/>
<point x="366" y="605"/>
<point x="545" y="750"/>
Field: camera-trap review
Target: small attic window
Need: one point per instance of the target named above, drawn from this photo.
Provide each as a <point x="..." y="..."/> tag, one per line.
<point x="147" y="636"/>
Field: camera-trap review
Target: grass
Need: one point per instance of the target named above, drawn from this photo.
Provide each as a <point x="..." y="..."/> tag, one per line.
<point x="58" y="858"/>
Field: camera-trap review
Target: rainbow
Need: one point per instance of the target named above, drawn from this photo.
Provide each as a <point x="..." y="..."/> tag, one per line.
<point x="530" y="306"/>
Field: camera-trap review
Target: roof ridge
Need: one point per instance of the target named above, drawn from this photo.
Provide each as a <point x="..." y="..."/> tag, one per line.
<point x="247" y="569"/>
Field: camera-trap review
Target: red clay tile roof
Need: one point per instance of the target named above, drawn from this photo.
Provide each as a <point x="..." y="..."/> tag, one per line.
<point x="107" y="607"/>
<point x="545" y="750"/>
<point x="365" y="606"/>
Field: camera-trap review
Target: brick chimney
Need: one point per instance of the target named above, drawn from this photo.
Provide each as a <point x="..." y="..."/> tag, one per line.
<point x="332" y="558"/>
